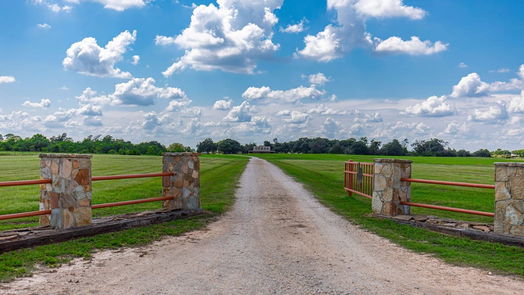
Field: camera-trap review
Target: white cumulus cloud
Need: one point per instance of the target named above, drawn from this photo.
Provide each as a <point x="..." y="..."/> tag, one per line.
<point x="297" y="117"/>
<point x="516" y="104"/>
<point x="434" y="106"/>
<point x="414" y="46"/>
<point x="137" y="92"/>
<point x="118" y="5"/>
<point x="290" y="95"/>
<point x="470" y="86"/>
<point x="44" y="26"/>
<point x="294" y="28"/>
<point x="386" y="8"/>
<point x="175" y="105"/>
<point x="88" y="58"/>
<point x="136" y="59"/>
<point x="143" y="92"/>
<point x="492" y="114"/>
<point x="230" y="37"/>
<point x="349" y="30"/>
<point x="222" y="104"/>
<point x="7" y="79"/>
<point x="240" y="113"/>
<point x="331" y="128"/>
<point x="43" y="103"/>
<point x="318" y="79"/>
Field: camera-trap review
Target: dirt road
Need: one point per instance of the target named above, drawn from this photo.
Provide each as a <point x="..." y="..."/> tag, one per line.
<point x="277" y="240"/>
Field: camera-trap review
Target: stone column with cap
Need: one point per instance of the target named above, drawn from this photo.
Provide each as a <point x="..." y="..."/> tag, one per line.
<point x="69" y="195"/>
<point x="388" y="189"/>
<point x="509" y="199"/>
<point x="184" y="186"/>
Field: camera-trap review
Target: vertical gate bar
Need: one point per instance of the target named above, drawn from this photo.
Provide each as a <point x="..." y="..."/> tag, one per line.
<point x="367" y="180"/>
<point x="345" y="174"/>
<point x="350" y="177"/>
<point x="371" y="171"/>
<point x="353" y="178"/>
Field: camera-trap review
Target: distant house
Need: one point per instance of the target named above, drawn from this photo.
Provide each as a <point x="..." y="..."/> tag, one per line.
<point x="261" y="149"/>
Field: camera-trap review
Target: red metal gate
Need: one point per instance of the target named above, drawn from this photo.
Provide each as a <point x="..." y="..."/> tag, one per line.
<point x="358" y="178"/>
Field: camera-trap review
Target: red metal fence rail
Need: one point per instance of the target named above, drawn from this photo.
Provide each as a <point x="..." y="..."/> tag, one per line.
<point x="465" y="184"/>
<point x="444" y="208"/>
<point x="358" y="179"/>
<point x="96" y="206"/>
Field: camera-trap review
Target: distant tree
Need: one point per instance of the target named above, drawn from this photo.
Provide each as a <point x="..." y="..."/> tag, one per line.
<point x="432" y="147"/>
<point x="178" y="147"/>
<point x="248" y="147"/>
<point x="62" y="137"/>
<point x="393" y="148"/>
<point x="38" y="143"/>
<point x="319" y="145"/>
<point x="359" y="148"/>
<point x="501" y="153"/>
<point x="482" y="153"/>
<point x="336" y="149"/>
<point x="519" y="153"/>
<point x="207" y="146"/>
<point x="267" y="143"/>
<point x="229" y="146"/>
<point x="374" y="147"/>
<point x="463" y="153"/>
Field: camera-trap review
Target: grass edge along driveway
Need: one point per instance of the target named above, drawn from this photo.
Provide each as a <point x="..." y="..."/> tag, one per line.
<point x="495" y="257"/>
<point x="218" y="187"/>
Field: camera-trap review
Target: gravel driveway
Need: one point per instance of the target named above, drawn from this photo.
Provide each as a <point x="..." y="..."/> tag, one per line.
<point x="277" y="240"/>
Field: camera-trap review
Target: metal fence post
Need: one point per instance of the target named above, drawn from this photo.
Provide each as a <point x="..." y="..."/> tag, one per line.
<point x="184" y="185"/>
<point x="68" y="196"/>
<point x="348" y="177"/>
<point x="509" y="198"/>
<point x="388" y="189"/>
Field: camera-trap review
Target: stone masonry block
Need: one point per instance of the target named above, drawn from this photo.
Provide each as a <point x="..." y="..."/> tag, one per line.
<point x="184" y="186"/>
<point x="69" y="194"/>
<point x="509" y="199"/>
<point x="388" y="189"/>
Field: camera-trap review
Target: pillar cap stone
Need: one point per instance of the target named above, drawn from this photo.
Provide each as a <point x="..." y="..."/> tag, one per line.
<point x="180" y="154"/>
<point x="510" y="164"/>
<point x="82" y="156"/>
<point x="392" y="161"/>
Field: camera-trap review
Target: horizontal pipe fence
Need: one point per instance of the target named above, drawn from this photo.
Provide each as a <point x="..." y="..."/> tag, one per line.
<point x="358" y="179"/>
<point x="96" y="206"/>
<point x="387" y="182"/>
<point x="180" y="188"/>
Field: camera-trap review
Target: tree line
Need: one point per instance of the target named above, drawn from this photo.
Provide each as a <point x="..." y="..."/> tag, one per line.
<point x="90" y="145"/>
<point x="362" y="146"/>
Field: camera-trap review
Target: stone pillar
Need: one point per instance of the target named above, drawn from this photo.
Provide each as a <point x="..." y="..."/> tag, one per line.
<point x="509" y="198"/>
<point x="388" y="190"/>
<point x="69" y="195"/>
<point x="184" y="186"/>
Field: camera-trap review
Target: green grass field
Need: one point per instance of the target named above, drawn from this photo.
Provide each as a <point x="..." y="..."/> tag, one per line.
<point x="323" y="175"/>
<point x="219" y="176"/>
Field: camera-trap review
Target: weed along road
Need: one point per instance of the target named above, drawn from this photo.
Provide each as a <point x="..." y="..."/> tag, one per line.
<point x="276" y="240"/>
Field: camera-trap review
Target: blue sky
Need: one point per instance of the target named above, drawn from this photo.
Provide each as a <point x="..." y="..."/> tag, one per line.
<point x="254" y="70"/>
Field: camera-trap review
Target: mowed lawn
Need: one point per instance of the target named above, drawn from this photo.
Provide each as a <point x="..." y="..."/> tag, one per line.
<point x="219" y="178"/>
<point x="323" y="175"/>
